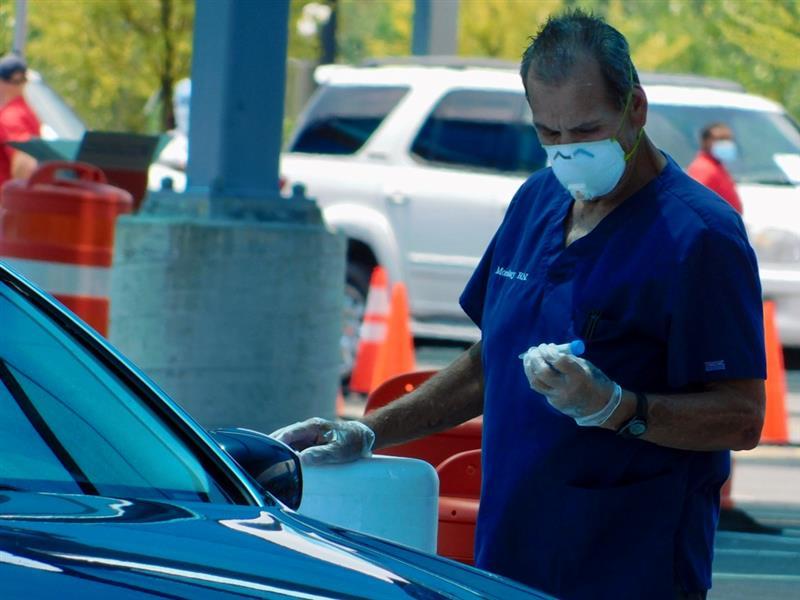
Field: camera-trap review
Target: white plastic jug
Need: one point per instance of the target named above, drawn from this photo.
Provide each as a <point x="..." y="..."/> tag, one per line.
<point x="386" y="496"/>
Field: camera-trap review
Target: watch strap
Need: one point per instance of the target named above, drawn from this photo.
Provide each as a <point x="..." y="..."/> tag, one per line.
<point x="637" y="424"/>
<point x="641" y="406"/>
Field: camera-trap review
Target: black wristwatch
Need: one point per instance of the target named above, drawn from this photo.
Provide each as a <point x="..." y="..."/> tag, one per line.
<point x="636" y="426"/>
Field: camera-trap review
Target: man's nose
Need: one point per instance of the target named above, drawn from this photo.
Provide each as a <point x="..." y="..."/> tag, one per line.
<point x="570" y="138"/>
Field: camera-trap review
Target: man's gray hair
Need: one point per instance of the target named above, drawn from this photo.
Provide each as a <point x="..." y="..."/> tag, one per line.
<point x="565" y="38"/>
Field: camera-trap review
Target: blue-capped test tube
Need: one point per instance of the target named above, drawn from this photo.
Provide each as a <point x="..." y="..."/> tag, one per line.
<point x="575" y="347"/>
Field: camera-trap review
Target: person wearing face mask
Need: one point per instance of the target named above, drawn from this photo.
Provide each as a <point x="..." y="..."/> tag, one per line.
<point x="18" y="123"/>
<point x="717" y="148"/>
<point x="601" y="472"/>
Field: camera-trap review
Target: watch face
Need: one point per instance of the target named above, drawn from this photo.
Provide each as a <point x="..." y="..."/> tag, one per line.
<point x="637" y="427"/>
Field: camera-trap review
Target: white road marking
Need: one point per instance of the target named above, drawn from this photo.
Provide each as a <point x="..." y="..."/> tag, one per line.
<point x="773" y="577"/>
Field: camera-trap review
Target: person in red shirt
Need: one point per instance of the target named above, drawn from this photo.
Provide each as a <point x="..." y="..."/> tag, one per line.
<point x="717" y="147"/>
<point x="18" y="122"/>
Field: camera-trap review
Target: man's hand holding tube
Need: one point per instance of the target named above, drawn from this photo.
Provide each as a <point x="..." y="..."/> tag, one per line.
<point x="320" y="441"/>
<point x="571" y="385"/>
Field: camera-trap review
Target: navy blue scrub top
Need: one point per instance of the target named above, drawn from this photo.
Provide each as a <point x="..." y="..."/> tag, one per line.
<point x="665" y="293"/>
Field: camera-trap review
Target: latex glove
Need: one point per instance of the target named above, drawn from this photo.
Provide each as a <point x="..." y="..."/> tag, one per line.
<point x="320" y="441"/>
<point x="571" y="385"/>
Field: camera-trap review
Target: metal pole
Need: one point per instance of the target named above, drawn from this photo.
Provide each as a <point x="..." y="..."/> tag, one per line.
<point x="420" y="40"/>
<point x="435" y="27"/>
<point x="328" y="37"/>
<point x="20" y="27"/>
<point x="238" y="80"/>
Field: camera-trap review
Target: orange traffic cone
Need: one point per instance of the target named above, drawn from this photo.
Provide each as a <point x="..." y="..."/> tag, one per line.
<point x="726" y="497"/>
<point x="396" y="354"/>
<point x="776" y="427"/>
<point x="372" y="332"/>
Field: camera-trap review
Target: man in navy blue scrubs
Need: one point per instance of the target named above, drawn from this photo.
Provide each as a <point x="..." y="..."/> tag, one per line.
<point x="601" y="473"/>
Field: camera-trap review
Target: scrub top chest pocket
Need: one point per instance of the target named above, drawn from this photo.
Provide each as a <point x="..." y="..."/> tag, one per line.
<point x="594" y="326"/>
<point x="631" y="351"/>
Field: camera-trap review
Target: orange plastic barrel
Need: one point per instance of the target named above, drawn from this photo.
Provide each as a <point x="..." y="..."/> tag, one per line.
<point x="459" y="501"/>
<point x="59" y="232"/>
<point x="434" y="448"/>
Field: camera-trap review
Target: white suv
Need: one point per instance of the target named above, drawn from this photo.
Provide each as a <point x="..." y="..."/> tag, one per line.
<point x="417" y="164"/>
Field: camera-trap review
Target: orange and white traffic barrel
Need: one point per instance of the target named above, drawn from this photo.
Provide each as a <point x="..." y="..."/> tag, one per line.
<point x="59" y="232"/>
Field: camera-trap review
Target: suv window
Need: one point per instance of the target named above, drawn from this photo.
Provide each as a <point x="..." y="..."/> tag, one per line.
<point x="340" y="119"/>
<point x="58" y="119"/>
<point x="481" y="128"/>
<point x="760" y="136"/>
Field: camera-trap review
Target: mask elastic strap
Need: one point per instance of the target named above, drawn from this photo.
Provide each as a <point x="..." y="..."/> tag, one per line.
<point x="624" y="113"/>
<point x="627" y="100"/>
<point x="635" y="146"/>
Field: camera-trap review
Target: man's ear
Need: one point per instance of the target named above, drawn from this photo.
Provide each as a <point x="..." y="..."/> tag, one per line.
<point x="638" y="107"/>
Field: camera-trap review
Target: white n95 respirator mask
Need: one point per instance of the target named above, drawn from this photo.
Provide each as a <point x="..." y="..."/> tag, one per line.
<point x="588" y="170"/>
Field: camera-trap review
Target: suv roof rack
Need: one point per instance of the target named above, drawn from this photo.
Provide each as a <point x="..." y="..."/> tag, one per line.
<point x="690" y="81"/>
<point x="465" y="62"/>
<point x="453" y="62"/>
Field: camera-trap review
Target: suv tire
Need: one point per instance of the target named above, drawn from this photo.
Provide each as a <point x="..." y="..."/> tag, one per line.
<point x="355" y="301"/>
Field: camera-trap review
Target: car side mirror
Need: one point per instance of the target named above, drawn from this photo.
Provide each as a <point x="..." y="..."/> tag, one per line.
<point x="271" y="463"/>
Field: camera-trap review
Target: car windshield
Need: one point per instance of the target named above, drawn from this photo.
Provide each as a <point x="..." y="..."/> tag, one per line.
<point x="69" y="424"/>
<point x="763" y="138"/>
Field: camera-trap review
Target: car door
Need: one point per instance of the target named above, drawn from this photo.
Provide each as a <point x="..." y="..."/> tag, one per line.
<point x="470" y="156"/>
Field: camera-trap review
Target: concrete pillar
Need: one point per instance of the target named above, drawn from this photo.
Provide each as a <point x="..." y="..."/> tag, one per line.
<point x="230" y="296"/>
<point x="238" y="320"/>
<point x="435" y="28"/>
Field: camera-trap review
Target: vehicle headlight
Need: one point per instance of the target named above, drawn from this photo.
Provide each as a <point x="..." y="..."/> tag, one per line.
<point x="777" y="246"/>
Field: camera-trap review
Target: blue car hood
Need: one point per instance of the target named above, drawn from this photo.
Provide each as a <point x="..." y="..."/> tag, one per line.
<point x="64" y="545"/>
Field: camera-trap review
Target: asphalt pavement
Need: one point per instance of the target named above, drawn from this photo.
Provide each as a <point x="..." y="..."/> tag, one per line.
<point x="766" y="487"/>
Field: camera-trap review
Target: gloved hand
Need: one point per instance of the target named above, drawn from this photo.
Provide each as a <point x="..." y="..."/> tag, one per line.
<point x="320" y="441"/>
<point x="572" y="385"/>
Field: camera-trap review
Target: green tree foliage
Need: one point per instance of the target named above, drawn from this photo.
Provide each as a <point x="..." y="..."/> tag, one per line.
<point x="366" y="28"/>
<point x="500" y="28"/>
<point x="301" y="47"/>
<point x="6" y="26"/>
<point x="107" y="58"/>
<point x="374" y="29"/>
<point x="753" y="42"/>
